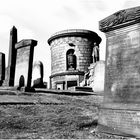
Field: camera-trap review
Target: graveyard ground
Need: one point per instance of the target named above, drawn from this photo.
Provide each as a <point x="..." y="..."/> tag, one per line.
<point x="49" y="116"/>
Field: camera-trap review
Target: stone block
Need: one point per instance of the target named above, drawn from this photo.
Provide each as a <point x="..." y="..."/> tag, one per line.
<point x="76" y="88"/>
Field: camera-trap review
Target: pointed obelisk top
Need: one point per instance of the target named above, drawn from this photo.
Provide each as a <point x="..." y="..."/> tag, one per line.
<point x="13" y="31"/>
<point x="14" y="27"/>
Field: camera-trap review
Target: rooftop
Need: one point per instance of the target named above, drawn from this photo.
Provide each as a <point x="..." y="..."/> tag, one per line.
<point x="75" y="32"/>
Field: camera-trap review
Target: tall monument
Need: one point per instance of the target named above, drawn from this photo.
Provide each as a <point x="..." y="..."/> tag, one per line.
<point x="10" y="70"/>
<point x="2" y="67"/>
<point x="120" y="111"/>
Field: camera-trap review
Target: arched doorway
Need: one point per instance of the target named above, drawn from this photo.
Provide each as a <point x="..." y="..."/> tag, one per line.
<point x="71" y="60"/>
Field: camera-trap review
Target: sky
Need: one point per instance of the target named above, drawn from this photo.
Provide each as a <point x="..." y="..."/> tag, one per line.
<point x="39" y="19"/>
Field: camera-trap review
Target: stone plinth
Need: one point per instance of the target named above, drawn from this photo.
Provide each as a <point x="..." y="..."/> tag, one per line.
<point x="2" y="67"/>
<point x="23" y="72"/>
<point x="120" y="111"/>
<point x="87" y="89"/>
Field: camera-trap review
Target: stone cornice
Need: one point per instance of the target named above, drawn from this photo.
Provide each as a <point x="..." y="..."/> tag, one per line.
<point x="68" y="73"/>
<point x="120" y="19"/>
<point x="75" y="32"/>
<point x="25" y="42"/>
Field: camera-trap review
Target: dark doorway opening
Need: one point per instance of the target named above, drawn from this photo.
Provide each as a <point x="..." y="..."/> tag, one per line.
<point x="71" y="83"/>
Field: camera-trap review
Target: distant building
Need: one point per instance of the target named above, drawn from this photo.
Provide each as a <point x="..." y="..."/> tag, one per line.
<point x="71" y="55"/>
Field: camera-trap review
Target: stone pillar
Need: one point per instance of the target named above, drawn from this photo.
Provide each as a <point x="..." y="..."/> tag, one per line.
<point x="120" y="111"/>
<point x="25" y="51"/>
<point x="10" y="70"/>
<point x="2" y="67"/>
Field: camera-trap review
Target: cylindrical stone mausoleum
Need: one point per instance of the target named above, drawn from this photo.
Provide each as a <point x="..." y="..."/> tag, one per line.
<point x="71" y="55"/>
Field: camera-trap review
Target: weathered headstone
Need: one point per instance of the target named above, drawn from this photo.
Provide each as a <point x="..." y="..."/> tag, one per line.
<point x="98" y="77"/>
<point x="21" y="81"/>
<point x="37" y="75"/>
<point x="2" y="67"/>
<point x="10" y="70"/>
<point x="94" y="78"/>
<point x="90" y="80"/>
<point x="120" y="112"/>
<point x="25" y="51"/>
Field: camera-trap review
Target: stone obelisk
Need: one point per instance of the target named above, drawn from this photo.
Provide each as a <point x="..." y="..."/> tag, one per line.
<point x="2" y="68"/>
<point x="10" y="70"/>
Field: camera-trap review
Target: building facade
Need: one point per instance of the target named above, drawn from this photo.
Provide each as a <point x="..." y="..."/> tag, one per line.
<point x="71" y="55"/>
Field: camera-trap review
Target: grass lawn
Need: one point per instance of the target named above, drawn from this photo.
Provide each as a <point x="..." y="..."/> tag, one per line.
<point x="60" y="117"/>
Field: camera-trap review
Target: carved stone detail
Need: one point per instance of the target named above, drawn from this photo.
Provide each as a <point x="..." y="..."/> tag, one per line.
<point x="120" y="18"/>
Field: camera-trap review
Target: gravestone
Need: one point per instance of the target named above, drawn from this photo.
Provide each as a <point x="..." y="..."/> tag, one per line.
<point x="25" y="51"/>
<point x="2" y="67"/>
<point x="21" y="81"/>
<point x="120" y="111"/>
<point x="98" y="77"/>
<point x="94" y="78"/>
<point x="90" y="80"/>
<point x="37" y="75"/>
<point x="10" y="70"/>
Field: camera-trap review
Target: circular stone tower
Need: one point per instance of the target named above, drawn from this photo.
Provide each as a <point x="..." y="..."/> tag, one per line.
<point x="71" y="55"/>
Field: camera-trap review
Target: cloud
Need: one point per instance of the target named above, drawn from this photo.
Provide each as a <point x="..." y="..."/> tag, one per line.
<point x="68" y="14"/>
<point x="131" y="3"/>
<point x="93" y="5"/>
<point x="5" y="23"/>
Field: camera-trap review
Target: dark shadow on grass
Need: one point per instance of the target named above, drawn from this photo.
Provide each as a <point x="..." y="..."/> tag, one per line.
<point x="61" y="92"/>
<point x="88" y="125"/>
<point x="18" y="103"/>
<point x="7" y="92"/>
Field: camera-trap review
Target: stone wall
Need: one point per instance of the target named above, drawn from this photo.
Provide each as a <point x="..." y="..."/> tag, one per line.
<point x="59" y="48"/>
